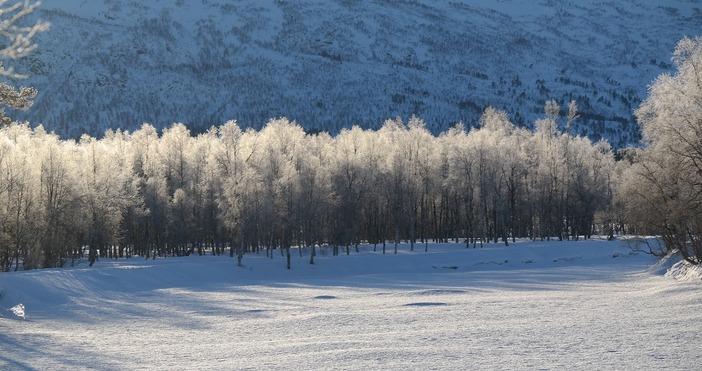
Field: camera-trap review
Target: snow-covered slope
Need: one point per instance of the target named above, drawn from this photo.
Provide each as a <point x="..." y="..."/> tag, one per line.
<point x="554" y="305"/>
<point x="332" y="64"/>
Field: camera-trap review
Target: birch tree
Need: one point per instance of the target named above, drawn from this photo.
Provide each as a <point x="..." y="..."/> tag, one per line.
<point x="667" y="197"/>
<point x="17" y="196"/>
<point x="348" y="186"/>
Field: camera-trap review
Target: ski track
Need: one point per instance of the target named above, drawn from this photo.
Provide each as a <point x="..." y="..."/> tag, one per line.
<point x="548" y="316"/>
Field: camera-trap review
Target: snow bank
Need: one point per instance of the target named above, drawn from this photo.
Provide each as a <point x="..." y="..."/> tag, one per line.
<point x="18" y="311"/>
<point x="684" y="271"/>
<point x="674" y="266"/>
<point x="664" y="264"/>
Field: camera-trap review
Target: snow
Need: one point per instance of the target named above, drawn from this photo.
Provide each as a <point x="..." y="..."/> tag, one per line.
<point x="18" y="311"/>
<point x="685" y="271"/>
<point x="550" y="305"/>
<point x="332" y="64"/>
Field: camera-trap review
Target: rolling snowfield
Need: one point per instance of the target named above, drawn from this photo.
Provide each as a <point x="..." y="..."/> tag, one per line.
<point x="532" y="305"/>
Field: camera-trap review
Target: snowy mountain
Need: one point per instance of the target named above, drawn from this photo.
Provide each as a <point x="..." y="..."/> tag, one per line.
<point x="332" y="64"/>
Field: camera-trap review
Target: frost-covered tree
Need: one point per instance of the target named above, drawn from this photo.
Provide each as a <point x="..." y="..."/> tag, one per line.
<point x="589" y="171"/>
<point x="548" y="161"/>
<point x="17" y="196"/>
<point x="240" y="186"/>
<point x="348" y="178"/>
<point x="92" y="181"/>
<point x="454" y="210"/>
<point x="124" y="191"/>
<point x="667" y="198"/>
<point x="398" y="188"/>
<point x="315" y="191"/>
<point x="151" y="225"/>
<point x="205" y="190"/>
<point x="375" y="213"/>
<point x="17" y="41"/>
<point x="509" y="159"/>
<point x="172" y="194"/>
<point x="179" y="172"/>
<point x="282" y="142"/>
<point x="60" y="201"/>
<point x="423" y="147"/>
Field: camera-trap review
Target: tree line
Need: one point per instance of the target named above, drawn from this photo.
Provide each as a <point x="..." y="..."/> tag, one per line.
<point x="239" y="191"/>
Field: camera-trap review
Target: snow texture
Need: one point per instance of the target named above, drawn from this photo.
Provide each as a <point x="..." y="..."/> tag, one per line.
<point x="684" y="271"/>
<point x="18" y="311"/>
<point x="526" y="306"/>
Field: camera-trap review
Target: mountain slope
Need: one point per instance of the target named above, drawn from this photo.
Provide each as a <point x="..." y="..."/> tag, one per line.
<point x="332" y="64"/>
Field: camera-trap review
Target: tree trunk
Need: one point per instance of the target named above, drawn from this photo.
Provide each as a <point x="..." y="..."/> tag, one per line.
<point x="288" y="257"/>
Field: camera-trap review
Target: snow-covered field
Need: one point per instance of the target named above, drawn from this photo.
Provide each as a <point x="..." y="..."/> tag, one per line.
<point x="551" y="305"/>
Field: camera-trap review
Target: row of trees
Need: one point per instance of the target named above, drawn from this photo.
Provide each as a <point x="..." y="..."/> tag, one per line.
<point x="171" y="193"/>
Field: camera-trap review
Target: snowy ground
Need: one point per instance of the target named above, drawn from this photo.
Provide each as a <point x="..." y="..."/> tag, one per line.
<point x="555" y="305"/>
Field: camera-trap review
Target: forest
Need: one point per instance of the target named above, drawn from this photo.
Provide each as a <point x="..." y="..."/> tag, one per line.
<point x="233" y="191"/>
<point x="236" y="191"/>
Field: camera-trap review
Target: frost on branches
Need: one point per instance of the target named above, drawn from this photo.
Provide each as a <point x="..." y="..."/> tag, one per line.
<point x="17" y="39"/>
<point x="665" y="182"/>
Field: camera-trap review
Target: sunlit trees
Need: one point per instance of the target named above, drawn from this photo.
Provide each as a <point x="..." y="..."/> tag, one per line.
<point x="486" y="178"/>
<point x="424" y="178"/>
<point x="174" y="151"/>
<point x="375" y="214"/>
<point x="456" y="199"/>
<point x="461" y="180"/>
<point x="240" y="187"/>
<point x="151" y="225"/>
<point x="171" y="193"/>
<point x="666" y="191"/>
<point x="348" y="182"/>
<point x="124" y="193"/>
<point x="203" y="194"/>
<point x="397" y="187"/>
<point x="507" y="172"/>
<point x="17" y="195"/>
<point x="59" y="201"/>
<point x="315" y="191"/>
<point x="102" y="184"/>
<point x="281" y="144"/>
<point x="546" y="155"/>
<point x="154" y="194"/>
<point x="590" y="173"/>
<point x="513" y="172"/>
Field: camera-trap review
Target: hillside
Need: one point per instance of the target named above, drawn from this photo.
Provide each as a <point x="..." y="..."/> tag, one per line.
<point x="332" y="64"/>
